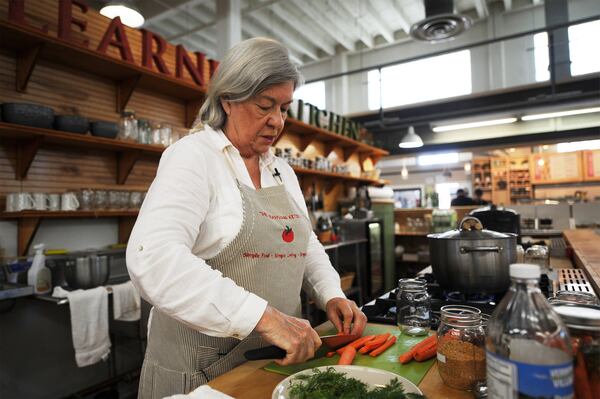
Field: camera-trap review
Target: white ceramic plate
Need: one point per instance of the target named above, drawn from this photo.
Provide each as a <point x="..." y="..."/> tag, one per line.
<point x="370" y="376"/>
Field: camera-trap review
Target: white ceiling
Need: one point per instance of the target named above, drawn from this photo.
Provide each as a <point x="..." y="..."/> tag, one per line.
<point x="313" y="30"/>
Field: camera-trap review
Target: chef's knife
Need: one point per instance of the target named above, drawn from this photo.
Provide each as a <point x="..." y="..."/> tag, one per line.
<point x="274" y="352"/>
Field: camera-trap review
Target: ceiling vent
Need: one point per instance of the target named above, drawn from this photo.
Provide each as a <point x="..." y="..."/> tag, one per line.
<point x="440" y="23"/>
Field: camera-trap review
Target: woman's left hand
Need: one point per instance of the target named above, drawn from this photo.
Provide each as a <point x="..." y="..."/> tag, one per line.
<point x="344" y="314"/>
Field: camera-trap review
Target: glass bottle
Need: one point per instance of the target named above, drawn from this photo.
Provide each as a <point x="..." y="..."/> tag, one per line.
<point x="461" y="347"/>
<point x="413" y="306"/>
<point x="527" y="345"/>
<point x="128" y="127"/>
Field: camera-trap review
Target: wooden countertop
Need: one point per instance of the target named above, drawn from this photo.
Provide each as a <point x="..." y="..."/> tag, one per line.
<point x="250" y="381"/>
<point x="586" y="253"/>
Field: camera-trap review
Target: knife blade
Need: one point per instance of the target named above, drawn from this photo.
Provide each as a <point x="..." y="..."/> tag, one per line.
<point x="275" y="352"/>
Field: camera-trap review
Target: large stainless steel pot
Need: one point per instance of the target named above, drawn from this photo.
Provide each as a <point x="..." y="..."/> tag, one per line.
<point x="86" y="271"/>
<point x="472" y="259"/>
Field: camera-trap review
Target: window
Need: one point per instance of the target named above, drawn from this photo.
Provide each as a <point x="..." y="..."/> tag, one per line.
<point x="578" y="146"/>
<point x="313" y="93"/>
<point x="583" y="48"/>
<point x="438" y="159"/>
<point x="541" y="57"/>
<point x="421" y="80"/>
<point x="445" y="193"/>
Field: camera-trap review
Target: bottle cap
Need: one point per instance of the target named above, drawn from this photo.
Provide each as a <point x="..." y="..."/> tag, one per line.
<point x="524" y="270"/>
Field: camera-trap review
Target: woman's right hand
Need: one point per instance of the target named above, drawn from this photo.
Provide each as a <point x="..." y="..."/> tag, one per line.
<point x="292" y="334"/>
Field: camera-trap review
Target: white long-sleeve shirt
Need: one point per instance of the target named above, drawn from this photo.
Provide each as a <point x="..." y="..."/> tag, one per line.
<point x="193" y="209"/>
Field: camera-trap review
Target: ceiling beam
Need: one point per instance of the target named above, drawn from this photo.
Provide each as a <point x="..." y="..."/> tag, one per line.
<point x="207" y="46"/>
<point x="170" y="11"/>
<point x="373" y="18"/>
<point x="537" y="2"/>
<point x="252" y="30"/>
<point x="482" y="8"/>
<point x="353" y="10"/>
<point x="399" y="14"/>
<point x="315" y="13"/>
<point x="314" y="37"/>
<point x="507" y="5"/>
<point x="363" y="35"/>
<point x="288" y="39"/>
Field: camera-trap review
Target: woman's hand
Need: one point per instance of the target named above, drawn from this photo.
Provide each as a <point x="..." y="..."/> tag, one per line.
<point x="344" y="314"/>
<point x="292" y="334"/>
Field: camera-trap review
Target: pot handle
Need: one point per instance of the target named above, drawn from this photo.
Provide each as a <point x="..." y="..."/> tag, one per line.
<point x="466" y="250"/>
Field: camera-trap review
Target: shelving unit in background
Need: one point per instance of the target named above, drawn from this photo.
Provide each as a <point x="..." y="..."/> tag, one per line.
<point x="482" y="177"/>
<point x="519" y="178"/>
<point x="500" y="191"/>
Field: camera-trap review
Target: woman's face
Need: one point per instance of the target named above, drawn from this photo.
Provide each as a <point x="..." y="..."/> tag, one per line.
<point x="253" y="125"/>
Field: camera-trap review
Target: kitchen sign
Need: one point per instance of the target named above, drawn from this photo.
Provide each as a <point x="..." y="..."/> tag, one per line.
<point x="331" y="121"/>
<point x="139" y="47"/>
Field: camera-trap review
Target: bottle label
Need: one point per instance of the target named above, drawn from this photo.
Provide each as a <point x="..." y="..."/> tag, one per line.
<point x="508" y="379"/>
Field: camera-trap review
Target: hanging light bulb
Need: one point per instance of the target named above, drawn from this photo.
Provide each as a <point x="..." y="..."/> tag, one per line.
<point x="468" y="168"/>
<point x="404" y="173"/>
<point x="129" y="15"/>
<point x="411" y="140"/>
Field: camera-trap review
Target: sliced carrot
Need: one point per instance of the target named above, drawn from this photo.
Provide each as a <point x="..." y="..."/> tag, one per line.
<point x="383" y="347"/>
<point x="374" y="344"/>
<point x="426" y="342"/>
<point x="330" y="354"/>
<point x="425" y="353"/>
<point x="348" y="356"/>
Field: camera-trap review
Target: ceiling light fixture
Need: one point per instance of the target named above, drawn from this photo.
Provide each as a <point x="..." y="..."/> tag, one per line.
<point x="129" y="15"/>
<point x="411" y="140"/>
<point x="558" y="114"/>
<point x="471" y="125"/>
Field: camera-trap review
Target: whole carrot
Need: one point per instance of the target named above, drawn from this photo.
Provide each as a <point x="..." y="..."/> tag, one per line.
<point x="581" y="380"/>
<point x="425" y="353"/>
<point x="376" y="343"/>
<point x="347" y="356"/>
<point x="383" y="347"/>
<point x="356" y="343"/>
<point x="409" y="354"/>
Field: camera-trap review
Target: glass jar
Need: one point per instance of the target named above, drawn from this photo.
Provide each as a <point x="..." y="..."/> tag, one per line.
<point x="413" y="306"/>
<point x="583" y="322"/>
<point x="144" y="132"/>
<point x="128" y="126"/>
<point x="538" y="255"/>
<point x="461" y="347"/>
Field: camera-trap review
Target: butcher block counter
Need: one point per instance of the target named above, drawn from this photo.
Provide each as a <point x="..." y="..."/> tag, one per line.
<point x="586" y="253"/>
<point x="250" y="381"/>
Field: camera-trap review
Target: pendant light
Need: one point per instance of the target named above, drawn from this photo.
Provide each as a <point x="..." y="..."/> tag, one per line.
<point x="129" y="15"/>
<point x="411" y="140"/>
<point x="404" y="171"/>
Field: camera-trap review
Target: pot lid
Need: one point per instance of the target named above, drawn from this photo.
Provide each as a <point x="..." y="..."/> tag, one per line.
<point x="470" y="228"/>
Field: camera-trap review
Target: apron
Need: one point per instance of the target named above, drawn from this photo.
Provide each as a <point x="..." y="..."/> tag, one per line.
<point x="266" y="258"/>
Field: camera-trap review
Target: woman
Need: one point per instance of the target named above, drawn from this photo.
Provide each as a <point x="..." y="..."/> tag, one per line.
<point x="222" y="245"/>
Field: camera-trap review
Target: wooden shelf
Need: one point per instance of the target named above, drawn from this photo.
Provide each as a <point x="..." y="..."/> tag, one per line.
<point x="32" y="45"/>
<point x="331" y="175"/>
<point x="29" y="222"/>
<point x="29" y="139"/>
<point x="332" y="140"/>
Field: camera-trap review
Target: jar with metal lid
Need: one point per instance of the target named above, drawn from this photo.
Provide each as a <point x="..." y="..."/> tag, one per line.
<point x="413" y="306"/>
<point x="461" y="347"/>
<point x="583" y="322"/>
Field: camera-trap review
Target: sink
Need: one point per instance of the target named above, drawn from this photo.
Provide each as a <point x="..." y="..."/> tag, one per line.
<point x="9" y="290"/>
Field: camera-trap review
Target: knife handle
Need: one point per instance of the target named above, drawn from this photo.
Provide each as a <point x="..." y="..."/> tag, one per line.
<point x="268" y="352"/>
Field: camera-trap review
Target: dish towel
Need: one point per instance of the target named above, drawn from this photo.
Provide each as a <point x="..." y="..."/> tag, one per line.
<point x="126" y="302"/>
<point x="89" y="323"/>
<point x="202" y="392"/>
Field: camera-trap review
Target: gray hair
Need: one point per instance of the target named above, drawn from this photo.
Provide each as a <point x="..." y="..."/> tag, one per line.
<point x="248" y="68"/>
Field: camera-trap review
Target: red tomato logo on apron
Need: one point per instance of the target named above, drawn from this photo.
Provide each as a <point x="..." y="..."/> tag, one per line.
<point x="288" y="234"/>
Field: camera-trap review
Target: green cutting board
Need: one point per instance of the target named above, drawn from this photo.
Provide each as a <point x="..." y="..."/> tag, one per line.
<point x="388" y="360"/>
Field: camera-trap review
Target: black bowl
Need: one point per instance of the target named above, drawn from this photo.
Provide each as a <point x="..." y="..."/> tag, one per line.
<point x="28" y="114"/>
<point x="104" y="129"/>
<point x="71" y="123"/>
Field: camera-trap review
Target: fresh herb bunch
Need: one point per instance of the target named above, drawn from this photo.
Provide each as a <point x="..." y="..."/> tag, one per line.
<point x="331" y="384"/>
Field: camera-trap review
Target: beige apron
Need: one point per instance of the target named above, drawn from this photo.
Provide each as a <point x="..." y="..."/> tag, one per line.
<point x="266" y="258"/>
